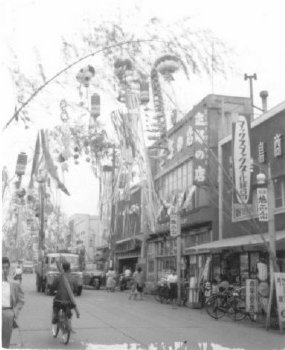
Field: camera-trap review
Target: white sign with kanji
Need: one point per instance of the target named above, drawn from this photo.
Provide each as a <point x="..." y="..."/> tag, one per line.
<point x="174" y="224"/>
<point x="280" y="296"/>
<point x="262" y="204"/>
<point x="277" y="147"/>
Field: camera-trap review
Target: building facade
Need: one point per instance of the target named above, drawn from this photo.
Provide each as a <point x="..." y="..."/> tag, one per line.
<point x="83" y="231"/>
<point x="242" y="236"/>
<point x="174" y="179"/>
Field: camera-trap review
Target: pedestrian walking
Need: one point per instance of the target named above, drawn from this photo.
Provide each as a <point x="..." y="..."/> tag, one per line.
<point x="12" y="303"/>
<point x="111" y="280"/>
<point x="139" y="282"/>
<point x="172" y="285"/>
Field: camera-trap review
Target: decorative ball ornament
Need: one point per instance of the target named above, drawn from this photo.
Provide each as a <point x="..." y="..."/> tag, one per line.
<point x="121" y="66"/>
<point x="261" y="179"/>
<point x="85" y="75"/>
<point x="169" y="64"/>
<point x="95" y="106"/>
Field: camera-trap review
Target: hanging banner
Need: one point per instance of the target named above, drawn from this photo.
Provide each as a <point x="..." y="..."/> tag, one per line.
<point x="241" y="161"/>
<point x="280" y="297"/>
<point x="200" y="148"/>
<point x="174" y="225"/>
<point x="262" y="203"/>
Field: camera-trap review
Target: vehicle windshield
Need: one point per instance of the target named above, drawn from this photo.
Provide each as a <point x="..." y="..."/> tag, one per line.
<point x="72" y="259"/>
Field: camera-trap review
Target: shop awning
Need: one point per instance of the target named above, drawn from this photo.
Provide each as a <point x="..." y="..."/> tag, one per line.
<point x="248" y="240"/>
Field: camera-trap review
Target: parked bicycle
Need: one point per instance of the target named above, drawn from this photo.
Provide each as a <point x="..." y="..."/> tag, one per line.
<point x="228" y="302"/>
<point x="162" y="293"/>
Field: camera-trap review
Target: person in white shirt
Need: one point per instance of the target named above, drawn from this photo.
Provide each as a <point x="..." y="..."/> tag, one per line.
<point x="18" y="273"/>
<point x="172" y="284"/>
<point x="127" y="273"/>
<point x="12" y="303"/>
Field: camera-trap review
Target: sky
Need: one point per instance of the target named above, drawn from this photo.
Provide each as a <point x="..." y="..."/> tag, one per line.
<point x="253" y="29"/>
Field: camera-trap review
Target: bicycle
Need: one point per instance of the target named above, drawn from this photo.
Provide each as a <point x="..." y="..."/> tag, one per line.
<point x="64" y="323"/>
<point x="227" y="302"/>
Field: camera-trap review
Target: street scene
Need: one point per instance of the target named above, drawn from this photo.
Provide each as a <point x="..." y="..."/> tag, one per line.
<point x="113" y="321"/>
<point x="143" y="175"/>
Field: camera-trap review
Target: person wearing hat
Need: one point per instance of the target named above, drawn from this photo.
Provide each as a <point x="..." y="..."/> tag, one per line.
<point x="12" y="303"/>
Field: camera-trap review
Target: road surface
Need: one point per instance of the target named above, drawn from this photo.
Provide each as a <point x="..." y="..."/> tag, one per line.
<point x="111" y="321"/>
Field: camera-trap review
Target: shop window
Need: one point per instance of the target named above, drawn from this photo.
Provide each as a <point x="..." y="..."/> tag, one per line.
<point x="216" y="267"/>
<point x="244" y="267"/>
<point x="279" y="189"/>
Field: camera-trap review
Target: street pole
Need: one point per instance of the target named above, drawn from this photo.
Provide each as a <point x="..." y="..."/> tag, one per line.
<point x="271" y="223"/>
<point x="178" y="248"/>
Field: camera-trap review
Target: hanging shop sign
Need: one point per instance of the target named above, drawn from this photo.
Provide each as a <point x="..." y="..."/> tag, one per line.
<point x="251" y="295"/>
<point x="174" y="224"/>
<point x="277" y="145"/>
<point x="242" y="161"/>
<point x="280" y="297"/>
<point x="261" y="152"/>
<point x="262" y="203"/>
<point x="200" y="148"/>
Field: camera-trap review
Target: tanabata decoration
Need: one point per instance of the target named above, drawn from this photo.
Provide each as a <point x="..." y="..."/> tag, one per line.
<point x="169" y="64"/>
<point x="121" y="66"/>
<point x="85" y="75"/>
<point x="144" y="92"/>
<point x="95" y="106"/>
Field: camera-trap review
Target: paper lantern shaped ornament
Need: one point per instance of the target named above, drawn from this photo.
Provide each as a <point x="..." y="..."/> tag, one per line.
<point x="95" y="106"/>
<point x="85" y="75"/>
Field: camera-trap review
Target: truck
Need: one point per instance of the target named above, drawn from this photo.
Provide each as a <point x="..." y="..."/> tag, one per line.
<point x="46" y="271"/>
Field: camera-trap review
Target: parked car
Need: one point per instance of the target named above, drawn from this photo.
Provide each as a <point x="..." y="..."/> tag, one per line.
<point x="92" y="276"/>
<point x="28" y="266"/>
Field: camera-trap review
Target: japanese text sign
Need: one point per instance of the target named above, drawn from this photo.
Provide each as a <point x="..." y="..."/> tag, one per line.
<point x="174" y="224"/>
<point x="280" y="297"/>
<point x="200" y="148"/>
<point x="262" y="203"/>
<point x="277" y="145"/>
<point x="241" y="161"/>
<point x="251" y="295"/>
<point x="261" y="152"/>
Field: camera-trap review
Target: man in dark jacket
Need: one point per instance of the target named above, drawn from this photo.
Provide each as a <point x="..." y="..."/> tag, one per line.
<point x="62" y="296"/>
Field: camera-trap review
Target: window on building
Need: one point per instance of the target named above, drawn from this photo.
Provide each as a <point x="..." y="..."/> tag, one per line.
<point x="279" y="189"/>
<point x="184" y="176"/>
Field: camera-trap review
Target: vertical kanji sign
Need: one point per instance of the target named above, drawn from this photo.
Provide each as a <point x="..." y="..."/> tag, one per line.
<point x="200" y="148"/>
<point x="280" y="297"/>
<point x="241" y="161"/>
<point x="262" y="203"/>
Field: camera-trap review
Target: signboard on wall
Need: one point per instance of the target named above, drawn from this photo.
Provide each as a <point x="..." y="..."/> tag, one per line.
<point x="241" y="161"/>
<point x="200" y="148"/>
<point x="174" y="224"/>
<point x="280" y="297"/>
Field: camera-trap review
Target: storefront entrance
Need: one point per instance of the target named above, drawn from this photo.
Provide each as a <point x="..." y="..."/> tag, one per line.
<point x="127" y="263"/>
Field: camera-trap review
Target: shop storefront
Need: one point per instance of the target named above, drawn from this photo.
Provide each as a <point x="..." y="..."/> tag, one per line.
<point x="127" y="254"/>
<point x="236" y="258"/>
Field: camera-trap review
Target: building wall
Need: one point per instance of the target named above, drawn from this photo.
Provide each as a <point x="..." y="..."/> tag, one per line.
<point x="85" y="228"/>
<point x="263" y="132"/>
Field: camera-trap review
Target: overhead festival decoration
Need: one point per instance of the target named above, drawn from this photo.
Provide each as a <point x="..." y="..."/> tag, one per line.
<point x="85" y="75"/>
<point x="167" y="65"/>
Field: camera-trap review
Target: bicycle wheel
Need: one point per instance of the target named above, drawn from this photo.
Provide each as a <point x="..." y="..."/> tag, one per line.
<point x="213" y="307"/>
<point x="236" y="310"/>
<point x="65" y="337"/>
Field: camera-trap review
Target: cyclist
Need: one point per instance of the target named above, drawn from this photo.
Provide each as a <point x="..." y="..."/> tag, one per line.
<point x="62" y="296"/>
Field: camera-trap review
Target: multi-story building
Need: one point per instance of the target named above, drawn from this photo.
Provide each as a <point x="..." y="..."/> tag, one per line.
<point x="130" y="230"/>
<point x="83" y="230"/>
<point x="174" y="177"/>
<point x="240" y="242"/>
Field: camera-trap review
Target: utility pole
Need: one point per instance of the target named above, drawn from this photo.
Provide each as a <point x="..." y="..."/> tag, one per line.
<point x="251" y="77"/>
<point x="112" y="223"/>
<point x="178" y="257"/>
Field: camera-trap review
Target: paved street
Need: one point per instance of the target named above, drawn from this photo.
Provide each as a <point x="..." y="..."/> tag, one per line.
<point x="111" y="319"/>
